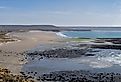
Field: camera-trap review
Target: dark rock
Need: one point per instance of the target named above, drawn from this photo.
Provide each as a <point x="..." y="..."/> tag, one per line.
<point x="60" y="53"/>
<point x="80" y="76"/>
<point x="89" y="54"/>
<point x="106" y="46"/>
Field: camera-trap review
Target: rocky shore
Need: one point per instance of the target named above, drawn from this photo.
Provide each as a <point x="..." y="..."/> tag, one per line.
<point x="66" y="52"/>
<point x="106" y="46"/>
<point x="103" y="44"/>
<point x="81" y="76"/>
<point x="60" y="53"/>
<point x="112" y="40"/>
<point x="7" y="76"/>
<point x="73" y="51"/>
<point x="77" y="75"/>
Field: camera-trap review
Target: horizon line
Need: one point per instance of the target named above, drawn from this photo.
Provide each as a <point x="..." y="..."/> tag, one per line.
<point x="69" y="25"/>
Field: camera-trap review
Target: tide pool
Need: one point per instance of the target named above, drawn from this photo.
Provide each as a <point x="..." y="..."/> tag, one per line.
<point x="106" y="60"/>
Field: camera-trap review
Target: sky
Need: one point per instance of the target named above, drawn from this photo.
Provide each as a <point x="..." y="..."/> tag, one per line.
<point x="61" y="12"/>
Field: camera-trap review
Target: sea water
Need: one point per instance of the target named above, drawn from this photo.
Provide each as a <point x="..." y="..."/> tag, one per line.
<point x="91" y="34"/>
<point x="106" y="60"/>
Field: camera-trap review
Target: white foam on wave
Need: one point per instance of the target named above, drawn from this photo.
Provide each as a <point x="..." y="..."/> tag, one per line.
<point x="105" y="58"/>
<point x="100" y="64"/>
<point x="61" y="34"/>
<point x="110" y="56"/>
<point x="93" y="62"/>
<point x="113" y="60"/>
<point x="34" y="31"/>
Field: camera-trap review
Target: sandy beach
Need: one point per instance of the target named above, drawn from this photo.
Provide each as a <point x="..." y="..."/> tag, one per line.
<point x="58" y="56"/>
<point x="10" y="53"/>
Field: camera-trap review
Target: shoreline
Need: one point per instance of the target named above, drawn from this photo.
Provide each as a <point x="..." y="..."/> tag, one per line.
<point x="62" y="35"/>
<point x="26" y="41"/>
<point x="11" y="52"/>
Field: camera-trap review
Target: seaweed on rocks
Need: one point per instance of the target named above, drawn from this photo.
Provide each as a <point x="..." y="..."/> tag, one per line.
<point x="60" y="53"/>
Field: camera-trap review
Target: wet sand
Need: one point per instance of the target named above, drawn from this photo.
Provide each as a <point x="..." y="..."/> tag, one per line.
<point x="11" y="56"/>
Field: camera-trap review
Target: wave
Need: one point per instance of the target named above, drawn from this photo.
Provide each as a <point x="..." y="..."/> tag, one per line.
<point x="34" y="31"/>
<point x="110" y="56"/>
<point x="61" y="34"/>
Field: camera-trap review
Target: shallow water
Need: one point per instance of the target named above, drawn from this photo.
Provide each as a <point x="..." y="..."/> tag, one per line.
<point x="107" y="60"/>
<point x="92" y="34"/>
<point x="51" y="65"/>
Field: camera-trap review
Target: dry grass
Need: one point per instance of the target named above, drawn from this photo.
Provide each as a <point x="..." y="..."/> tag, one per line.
<point x="4" y="38"/>
<point x="6" y="76"/>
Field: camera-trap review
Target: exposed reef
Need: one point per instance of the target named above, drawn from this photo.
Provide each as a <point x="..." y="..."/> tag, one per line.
<point x="60" y="53"/>
<point x="81" y="76"/>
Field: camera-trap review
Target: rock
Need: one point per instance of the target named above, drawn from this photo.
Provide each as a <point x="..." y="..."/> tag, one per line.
<point x="60" y="53"/>
<point x="6" y="76"/>
<point x="106" y="46"/>
<point x="80" y="76"/>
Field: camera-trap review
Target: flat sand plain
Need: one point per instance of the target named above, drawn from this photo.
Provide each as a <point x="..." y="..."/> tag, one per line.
<point x="10" y="56"/>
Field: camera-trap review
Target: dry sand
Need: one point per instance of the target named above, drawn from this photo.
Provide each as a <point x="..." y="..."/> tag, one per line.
<point x="28" y="40"/>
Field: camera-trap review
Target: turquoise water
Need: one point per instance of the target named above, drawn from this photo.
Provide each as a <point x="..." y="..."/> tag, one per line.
<point x="92" y="34"/>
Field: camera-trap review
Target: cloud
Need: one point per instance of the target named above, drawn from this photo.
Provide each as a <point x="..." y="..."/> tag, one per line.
<point x="59" y="17"/>
<point x="1" y="7"/>
<point x="60" y="12"/>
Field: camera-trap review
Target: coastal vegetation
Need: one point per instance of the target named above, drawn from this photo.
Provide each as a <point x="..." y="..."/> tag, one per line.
<point x="78" y="39"/>
<point x="4" y="38"/>
<point x="7" y="76"/>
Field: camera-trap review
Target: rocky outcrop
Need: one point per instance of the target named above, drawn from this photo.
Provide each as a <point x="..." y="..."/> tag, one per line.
<point x="114" y="40"/>
<point x="7" y="76"/>
<point x="106" y="46"/>
<point x="81" y="76"/>
<point x="111" y="40"/>
<point x="60" y="53"/>
<point x="102" y="46"/>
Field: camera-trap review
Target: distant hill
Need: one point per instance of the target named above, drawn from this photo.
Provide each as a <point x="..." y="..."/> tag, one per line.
<point x="27" y="27"/>
<point x="37" y="27"/>
<point x="54" y="28"/>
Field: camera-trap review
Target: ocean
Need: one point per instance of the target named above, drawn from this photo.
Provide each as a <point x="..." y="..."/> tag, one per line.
<point x="91" y="34"/>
